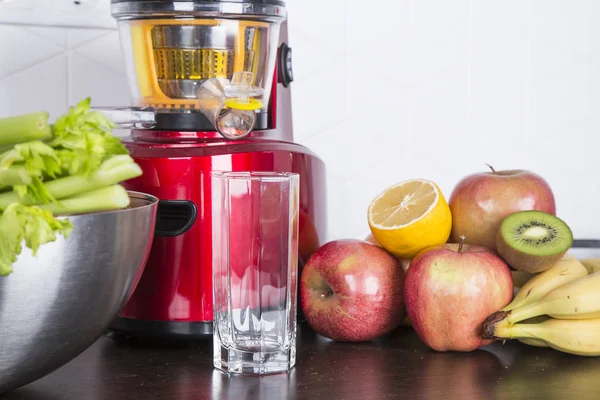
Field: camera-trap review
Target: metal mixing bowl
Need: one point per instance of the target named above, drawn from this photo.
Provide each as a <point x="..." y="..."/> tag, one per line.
<point x="55" y="305"/>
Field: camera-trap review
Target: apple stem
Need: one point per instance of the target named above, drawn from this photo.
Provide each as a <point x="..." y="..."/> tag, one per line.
<point x="461" y="243"/>
<point x="492" y="168"/>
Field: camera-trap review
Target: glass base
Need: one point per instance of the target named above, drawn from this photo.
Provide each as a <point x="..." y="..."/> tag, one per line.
<point x="255" y="362"/>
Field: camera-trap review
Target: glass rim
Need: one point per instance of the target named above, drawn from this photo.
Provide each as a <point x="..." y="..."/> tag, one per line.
<point x="268" y="176"/>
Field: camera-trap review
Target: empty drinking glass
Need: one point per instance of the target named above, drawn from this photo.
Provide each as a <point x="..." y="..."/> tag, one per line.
<point x="255" y="262"/>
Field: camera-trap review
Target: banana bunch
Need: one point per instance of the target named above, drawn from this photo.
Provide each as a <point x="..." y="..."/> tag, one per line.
<point x="592" y="264"/>
<point x="557" y="308"/>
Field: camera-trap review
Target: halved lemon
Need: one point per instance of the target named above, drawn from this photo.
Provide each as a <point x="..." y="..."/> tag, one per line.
<point x="410" y="216"/>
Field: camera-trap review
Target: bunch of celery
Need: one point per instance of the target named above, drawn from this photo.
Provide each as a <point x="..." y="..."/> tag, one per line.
<point x="71" y="167"/>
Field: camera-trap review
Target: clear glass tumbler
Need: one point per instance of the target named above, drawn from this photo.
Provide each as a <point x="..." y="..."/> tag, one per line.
<point x="255" y="264"/>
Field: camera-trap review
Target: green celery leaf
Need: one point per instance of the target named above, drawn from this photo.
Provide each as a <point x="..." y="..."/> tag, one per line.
<point x="37" y="157"/>
<point x="83" y="139"/>
<point x="31" y="224"/>
<point x="11" y="236"/>
<point x="40" y="227"/>
<point x="39" y="161"/>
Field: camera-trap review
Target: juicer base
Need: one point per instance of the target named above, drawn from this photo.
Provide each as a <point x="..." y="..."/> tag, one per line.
<point x="162" y="329"/>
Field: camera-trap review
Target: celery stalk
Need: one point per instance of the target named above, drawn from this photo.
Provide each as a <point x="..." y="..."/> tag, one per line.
<point x="14" y="176"/>
<point x="73" y="185"/>
<point x="106" y="199"/>
<point x="23" y="128"/>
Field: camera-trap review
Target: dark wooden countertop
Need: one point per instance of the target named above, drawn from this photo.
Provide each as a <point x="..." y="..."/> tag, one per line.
<point x="398" y="366"/>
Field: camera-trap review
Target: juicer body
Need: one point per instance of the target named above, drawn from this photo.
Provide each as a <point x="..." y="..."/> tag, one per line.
<point x="174" y="296"/>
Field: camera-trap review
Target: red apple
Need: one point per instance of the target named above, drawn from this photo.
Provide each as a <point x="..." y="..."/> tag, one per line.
<point x="351" y="290"/>
<point x="404" y="261"/>
<point x="480" y="202"/>
<point x="450" y="290"/>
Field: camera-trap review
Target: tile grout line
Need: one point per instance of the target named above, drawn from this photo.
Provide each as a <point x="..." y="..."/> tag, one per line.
<point x="68" y="72"/>
<point x="409" y="102"/>
<point x="34" y="33"/>
<point x="66" y="53"/>
<point x="102" y="36"/>
<point x="101" y="65"/>
<point x="30" y="66"/>
<point x="469" y="108"/>
<point x="528" y="61"/>
<point x="66" y="32"/>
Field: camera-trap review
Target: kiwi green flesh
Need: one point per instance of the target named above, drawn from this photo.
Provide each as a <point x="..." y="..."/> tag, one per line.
<point x="532" y="241"/>
<point x="536" y="233"/>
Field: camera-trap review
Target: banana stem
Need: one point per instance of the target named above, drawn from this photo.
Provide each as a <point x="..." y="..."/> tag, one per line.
<point x="510" y="307"/>
<point x="502" y="330"/>
<point x="497" y="324"/>
<point x="515" y="305"/>
<point x="518" y="331"/>
<point x="519" y="314"/>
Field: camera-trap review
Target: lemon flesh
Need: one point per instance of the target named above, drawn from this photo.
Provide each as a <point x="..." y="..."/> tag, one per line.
<point x="409" y="217"/>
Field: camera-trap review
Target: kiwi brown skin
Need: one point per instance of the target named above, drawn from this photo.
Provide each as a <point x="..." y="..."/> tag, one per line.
<point x="520" y="277"/>
<point x="521" y="261"/>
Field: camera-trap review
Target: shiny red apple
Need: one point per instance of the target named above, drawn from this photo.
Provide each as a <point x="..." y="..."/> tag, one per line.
<point x="480" y="202"/>
<point x="404" y="261"/>
<point x="352" y="291"/>
<point x="450" y="290"/>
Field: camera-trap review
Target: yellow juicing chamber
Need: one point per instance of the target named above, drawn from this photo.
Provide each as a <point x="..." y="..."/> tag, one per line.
<point x="172" y="49"/>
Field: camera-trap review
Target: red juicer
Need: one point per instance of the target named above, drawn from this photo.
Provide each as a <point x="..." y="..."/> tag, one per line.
<point x="216" y="75"/>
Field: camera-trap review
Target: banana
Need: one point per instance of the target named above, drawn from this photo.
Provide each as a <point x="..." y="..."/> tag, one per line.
<point x="576" y="300"/>
<point x="565" y="270"/>
<point x="579" y="337"/>
<point x="592" y="264"/>
<point x="532" y="341"/>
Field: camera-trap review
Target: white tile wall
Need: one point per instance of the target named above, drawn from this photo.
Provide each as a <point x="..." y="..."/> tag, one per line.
<point x="391" y="91"/>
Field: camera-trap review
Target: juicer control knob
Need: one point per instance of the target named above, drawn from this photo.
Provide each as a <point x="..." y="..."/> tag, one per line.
<point x="286" y="74"/>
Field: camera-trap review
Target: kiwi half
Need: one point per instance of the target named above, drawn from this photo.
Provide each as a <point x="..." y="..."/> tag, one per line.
<point x="532" y="241"/>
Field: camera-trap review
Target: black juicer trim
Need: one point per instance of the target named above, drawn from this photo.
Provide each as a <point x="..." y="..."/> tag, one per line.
<point x="286" y="73"/>
<point x="185" y="330"/>
<point x="161" y="329"/>
<point x="174" y="217"/>
<point x="196" y="122"/>
<point x="270" y="2"/>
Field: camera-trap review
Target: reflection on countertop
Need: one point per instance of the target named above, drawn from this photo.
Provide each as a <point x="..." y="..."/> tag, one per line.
<point x="397" y="366"/>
